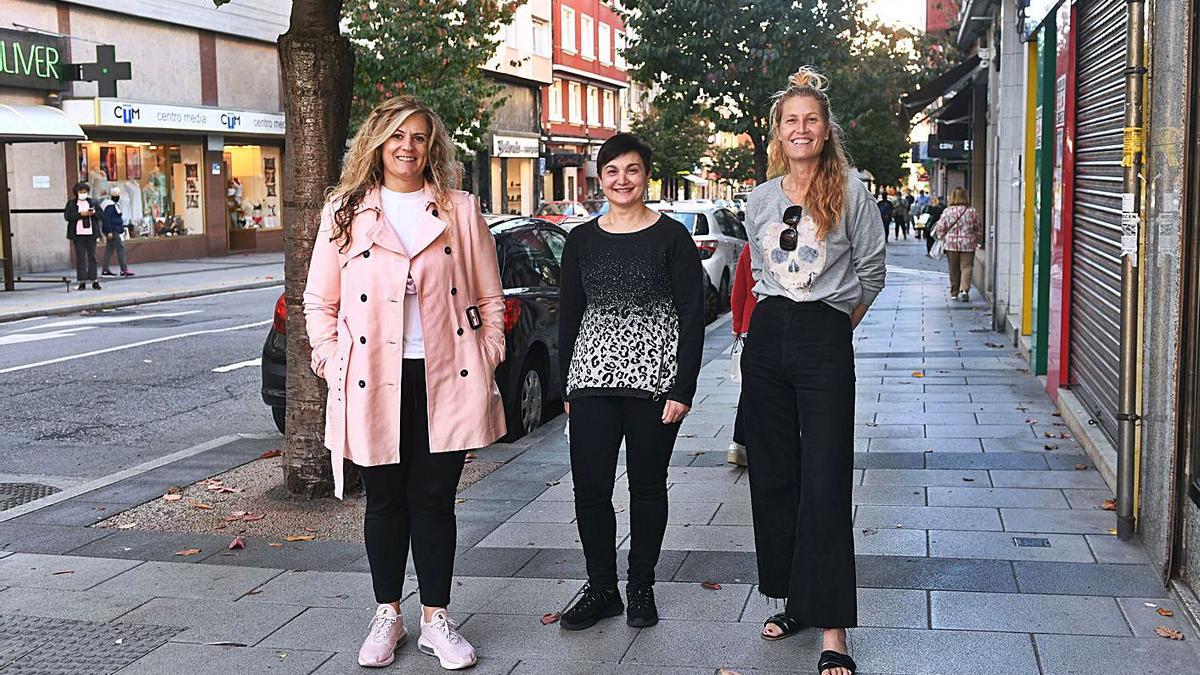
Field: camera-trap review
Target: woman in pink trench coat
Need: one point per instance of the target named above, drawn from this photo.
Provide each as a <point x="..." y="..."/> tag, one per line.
<point x="405" y="313"/>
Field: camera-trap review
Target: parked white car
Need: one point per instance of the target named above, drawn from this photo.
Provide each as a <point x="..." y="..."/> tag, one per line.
<point x="719" y="236"/>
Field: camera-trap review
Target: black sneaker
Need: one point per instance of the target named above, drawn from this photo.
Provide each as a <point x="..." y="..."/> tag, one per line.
<point x="95" y="285"/>
<point x="593" y="605"/>
<point x="642" y="610"/>
<point x="81" y="287"/>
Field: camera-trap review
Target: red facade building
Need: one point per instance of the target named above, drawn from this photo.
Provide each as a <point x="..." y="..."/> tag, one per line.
<point x="582" y="106"/>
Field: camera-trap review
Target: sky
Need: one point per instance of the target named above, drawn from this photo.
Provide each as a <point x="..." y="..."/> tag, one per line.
<point x="908" y="12"/>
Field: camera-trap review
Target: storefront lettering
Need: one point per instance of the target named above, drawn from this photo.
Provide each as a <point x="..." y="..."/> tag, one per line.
<point x="31" y="60"/>
<point x="119" y="112"/>
<point x="127" y="113"/>
<point x="230" y="121"/>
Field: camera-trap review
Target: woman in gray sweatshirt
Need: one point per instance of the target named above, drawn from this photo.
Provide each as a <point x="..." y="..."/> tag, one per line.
<point x="817" y="259"/>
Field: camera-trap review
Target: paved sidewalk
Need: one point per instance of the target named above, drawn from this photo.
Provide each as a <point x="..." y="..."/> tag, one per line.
<point x="152" y="282"/>
<point x="981" y="548"/>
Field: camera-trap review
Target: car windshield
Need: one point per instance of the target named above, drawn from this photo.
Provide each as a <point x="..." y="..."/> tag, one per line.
<point x="688" y="219"/>
<point x="556" y="209"/>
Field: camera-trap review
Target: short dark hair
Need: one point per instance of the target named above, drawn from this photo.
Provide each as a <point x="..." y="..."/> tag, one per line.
<point x="621" y="144"/>
<point x="81" y="187"/>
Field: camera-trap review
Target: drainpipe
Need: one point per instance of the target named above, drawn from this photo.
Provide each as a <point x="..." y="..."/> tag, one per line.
<point x="1131" y="160"/>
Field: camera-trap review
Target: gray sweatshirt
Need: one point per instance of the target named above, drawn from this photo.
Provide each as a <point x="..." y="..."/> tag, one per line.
<point x="845" y="270"/>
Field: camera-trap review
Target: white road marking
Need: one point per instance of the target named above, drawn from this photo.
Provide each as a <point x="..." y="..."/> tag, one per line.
<point x="165" y="338"/>
<point x="20" y="338"/>
<point x="103" y="320"/>
<point x="239" y="364"/>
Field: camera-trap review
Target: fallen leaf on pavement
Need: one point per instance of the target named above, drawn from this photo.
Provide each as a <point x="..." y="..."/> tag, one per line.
<point x="174" y="490"/>
<point x="63" y="572"/>
<point x="1049" y="446"/>
<point x="250" y="517"/>
<point x="221" y="489"/>
<point x="236" y="543"/>
<point x="1163" y="611"/>
<point x="550" y="618"/>
<point x="471" y="455"/>
<point x="968" y="479"/>
<point x="1150" y="604"/>
<point x="1109" y="505"/>
<point x="917" y="373"/>
<point x="460" y="500"/>
<point x="127" y="526"/>
<point x="710" y="585"/>
<point x="271" y="453"/>
<point x="1081" y="467"/>
<point x="309" y="529"/>
<point x="868" y="531"/>
<point x="299" y="537"/>
<point x="172" y="497"/>
<point x="1112" y="530"/>
<point x="201" y="505"/>
<point x="1169" y="633"/>
<point x="187" y="552"/>
<point x="275" y="544"/>
<point x="1064" y="435"/>
<point x="1056" y="414"/>
<point x="552" y="483"/>
<point x="238" y="514"/>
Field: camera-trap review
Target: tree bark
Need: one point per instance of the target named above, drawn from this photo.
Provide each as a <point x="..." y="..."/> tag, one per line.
<point x="318" y="68"/>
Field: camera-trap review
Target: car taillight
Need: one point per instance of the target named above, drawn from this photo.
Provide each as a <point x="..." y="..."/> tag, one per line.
<point x="512" y="313"/>
<point x="707" y="249"/>
<point x="280" y="323"/>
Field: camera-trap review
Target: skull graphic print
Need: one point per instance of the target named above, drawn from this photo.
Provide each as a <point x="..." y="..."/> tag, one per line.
<point x="796" y="270"/>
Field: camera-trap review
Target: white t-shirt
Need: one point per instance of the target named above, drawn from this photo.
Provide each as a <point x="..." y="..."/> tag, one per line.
<point x="400" y="208"/>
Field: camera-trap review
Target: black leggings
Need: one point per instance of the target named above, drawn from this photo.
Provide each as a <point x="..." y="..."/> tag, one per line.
<point x="798" y="382"/>
<point x="598" y="423"/>
<point x="412" y="500"/>
<point x="85" y="258"/>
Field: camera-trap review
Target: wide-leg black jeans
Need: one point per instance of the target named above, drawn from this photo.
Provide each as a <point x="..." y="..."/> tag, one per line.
<point x="798" y="407"/>
<point x="412" y="501"/>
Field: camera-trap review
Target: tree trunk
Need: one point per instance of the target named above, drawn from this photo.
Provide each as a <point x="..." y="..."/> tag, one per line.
<point x="318" y="68"/>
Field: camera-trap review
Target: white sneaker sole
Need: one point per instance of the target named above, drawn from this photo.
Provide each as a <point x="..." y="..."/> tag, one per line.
<point x="735" y="459"/>
<point x="429" y="649"/>
<point x="391" y="657"/>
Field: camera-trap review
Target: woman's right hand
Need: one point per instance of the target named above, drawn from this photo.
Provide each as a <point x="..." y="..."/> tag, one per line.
<point x="567" y="408"/>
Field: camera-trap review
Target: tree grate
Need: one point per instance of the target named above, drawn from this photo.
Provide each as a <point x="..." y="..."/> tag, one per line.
<point x="64" y="647"/>
<point x="13" y="495"/>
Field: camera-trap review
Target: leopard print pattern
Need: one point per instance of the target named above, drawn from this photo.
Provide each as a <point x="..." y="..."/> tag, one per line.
<point x="622" y="349"/>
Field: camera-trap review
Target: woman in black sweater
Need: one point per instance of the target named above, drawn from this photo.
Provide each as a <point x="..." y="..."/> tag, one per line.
<point x="631" y="331"/>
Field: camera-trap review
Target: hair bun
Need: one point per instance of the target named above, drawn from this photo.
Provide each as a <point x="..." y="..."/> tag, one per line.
<point x="807" y="77"/>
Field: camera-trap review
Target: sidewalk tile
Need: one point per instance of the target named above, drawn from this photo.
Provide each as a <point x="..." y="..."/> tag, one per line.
<point x="532" y="667"/>
<point x="1108" y="549"/>
<point x="889" y="431"/>
<point x="704" y="474"/>
<point x="707" y="538"/>
<point x="889" y="460"/>
<point x="985" y="460"/>
<point x="559" y="563"/>
<point x="506" y="636"/>
<point x="320" y="589"/>
<point x="1001" y="546"/>
<point x="328" y="556"/>
<point x="32" y="538"/>
<point x="73" y="512"/>
<point x="1110" y="579"/>
<point x="158" y="546"/>
<point x="996" y="497"/>
<point x="1072" y="521"/>
<point x="64" y="604"/>
<point x="678" y="600"/>
<point x="1144" y="618"/>
<point x="977" y="431"/>
<point x="60" y="572"/>
<point x="732" y="514"/>
<point x="928" y="518"/>
<point x="488" y="510"/>
<point x="709" y="493"/>
<point x="922" y="445"/>
<point x="492" y="562"/>
<point x="889" y="541"/>
<point x="538" y="535"/>
<point x="410" y="661"/>
<point x="712" y="644"/>
<point x="545" y="512"/>
<point x="926" y="477"/>
<point x="181" y="580"/>
<point x="1047" y="479"/>
<point x="902" y="495"/>
<point x="1087" y="498"/>
<point x="900" y="650"/>
<point x="877" y="607"/>
<point x="924" y="418"/>
<point x="1027" y="613"/>
<point x="740" y="567"/>
<point x="533" y="597"/>
<point x="1086" y="655"/>
<point x="217" y="660"/>
<point x="949" y="574"/>
<point x="504" y="490"/>
<point x="1039" y="445"/>
<point x="471" y="532"/>
<point x="333" y="629"/>
<point x="214" y="620"/>
<point x="540" y="472"/>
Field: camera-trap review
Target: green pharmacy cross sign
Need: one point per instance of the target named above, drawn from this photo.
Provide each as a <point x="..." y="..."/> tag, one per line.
<point x="105" y="72"/>
<point x="30" y="60"/>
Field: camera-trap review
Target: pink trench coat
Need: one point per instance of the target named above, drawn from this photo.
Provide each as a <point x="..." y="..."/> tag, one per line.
<point x="354" y="313"/>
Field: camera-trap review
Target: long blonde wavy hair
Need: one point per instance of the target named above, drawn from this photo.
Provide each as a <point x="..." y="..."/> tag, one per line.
<point x="363" y="168"/>
<point x="827" y="194"/>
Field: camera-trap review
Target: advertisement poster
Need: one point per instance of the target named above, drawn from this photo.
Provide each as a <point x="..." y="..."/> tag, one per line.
<point x="108" y="161"/>
<point x="191" y="193"/>
<point x="133" y="163"/>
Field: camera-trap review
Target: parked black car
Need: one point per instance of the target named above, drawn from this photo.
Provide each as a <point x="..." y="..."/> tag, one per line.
<point x="529" y="251"/>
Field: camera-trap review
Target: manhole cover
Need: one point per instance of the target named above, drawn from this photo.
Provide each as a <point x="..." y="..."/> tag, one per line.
<point x="16" y="494"/>
<point x="1032" y="542"/>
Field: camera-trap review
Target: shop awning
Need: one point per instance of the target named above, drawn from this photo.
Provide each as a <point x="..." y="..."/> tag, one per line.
<point x="914" y="102"/>
<point x="33" y="123"/>
<point x="694" y="179"/>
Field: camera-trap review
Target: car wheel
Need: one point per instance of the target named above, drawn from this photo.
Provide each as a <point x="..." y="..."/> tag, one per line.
<point x="278" y="414"/>
<point x="528" y="404"/>
<point x="711" y="304"/>
<point x="725" y="296"/>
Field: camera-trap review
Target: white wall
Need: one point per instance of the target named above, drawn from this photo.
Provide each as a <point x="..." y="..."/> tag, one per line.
<point x="256" y="19"/>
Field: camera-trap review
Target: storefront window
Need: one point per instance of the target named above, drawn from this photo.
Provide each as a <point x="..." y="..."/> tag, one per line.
<point x="253" y="188"/>
<point x="162" y="189"/>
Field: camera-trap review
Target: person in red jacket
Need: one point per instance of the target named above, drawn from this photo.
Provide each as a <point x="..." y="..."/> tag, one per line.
<point x="742" y="303"/>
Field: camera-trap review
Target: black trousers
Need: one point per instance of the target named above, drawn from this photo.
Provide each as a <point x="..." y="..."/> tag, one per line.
<point x="598" y="423"/>
<point x="901" y="226"/>
<point x="412" y="500"/>
<point x="85" y="258"/>
<point x="739" y="426"/>
<point x="798" y="383"/>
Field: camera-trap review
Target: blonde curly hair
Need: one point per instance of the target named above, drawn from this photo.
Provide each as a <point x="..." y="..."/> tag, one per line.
<point x="827" y="193"/>
<point x="363" y="168"/>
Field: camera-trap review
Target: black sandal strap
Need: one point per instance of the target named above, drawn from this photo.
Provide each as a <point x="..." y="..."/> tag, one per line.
<point x="831" y="659"/>
<point x="787" y="626"/>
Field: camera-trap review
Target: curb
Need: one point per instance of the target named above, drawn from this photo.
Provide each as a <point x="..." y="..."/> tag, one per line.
<point x="117" y="303"/>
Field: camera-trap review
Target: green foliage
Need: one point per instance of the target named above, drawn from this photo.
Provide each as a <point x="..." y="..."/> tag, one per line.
<point x="431" y="49"/>
<point x="725" y="60"/>
<point x="734" y="165"/>
<point x="678" y="141"/>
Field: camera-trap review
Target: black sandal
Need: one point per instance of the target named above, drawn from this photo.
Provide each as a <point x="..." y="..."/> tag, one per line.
<point x="787" y="627"/>
<point x="831" y="659"/>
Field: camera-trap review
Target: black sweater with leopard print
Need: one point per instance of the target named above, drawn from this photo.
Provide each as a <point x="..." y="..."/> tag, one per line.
<point x="631" y="314"/>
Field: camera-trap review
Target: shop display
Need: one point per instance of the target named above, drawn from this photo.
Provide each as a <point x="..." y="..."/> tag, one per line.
<point x="162" y="186"/>
<point x="253" y="189"/>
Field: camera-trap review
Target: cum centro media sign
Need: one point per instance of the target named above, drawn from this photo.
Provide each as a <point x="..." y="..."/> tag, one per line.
<point x="112" y="112"/>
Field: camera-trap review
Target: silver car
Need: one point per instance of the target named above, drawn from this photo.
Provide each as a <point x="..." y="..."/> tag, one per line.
<point x="719" y="236"/>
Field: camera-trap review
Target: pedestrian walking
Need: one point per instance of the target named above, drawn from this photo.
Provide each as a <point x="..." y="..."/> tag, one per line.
<point x="405" y="313"/>
<point x="631" y="332"/>
<point x="819" y="262"/>
<point x="900" y="214"/>
<point x="961" y="230"/>
<point x="742" y="303"/>
<point x="84" y="226"/>
<point x="935" y="212"/>
<point x="114" y="232"/>
<point x="885" y="212"/>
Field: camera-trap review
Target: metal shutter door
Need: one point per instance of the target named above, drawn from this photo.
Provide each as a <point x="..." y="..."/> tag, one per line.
<point x="1096" y="235"/>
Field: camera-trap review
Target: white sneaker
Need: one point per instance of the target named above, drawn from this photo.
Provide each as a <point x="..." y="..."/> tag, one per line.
<point x="440" y="638"/>
<point x="736" y="454"/>
<point x="384" y="634"/>
<point x="964" y="297"/>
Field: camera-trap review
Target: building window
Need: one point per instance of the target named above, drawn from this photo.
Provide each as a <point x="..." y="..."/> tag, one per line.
<point x="541" y="37"/>
<point x="605" y="44"/>
<point x="556" y="110"/>
<point x="593" y="103"/>
<point x="575" y="102"/>
<point x="623" y="110"/>
<point x="587" y="35"/>
<point x="568" y="30"/>
<point x="610" y="119"/>
<point x="619" y="48"/>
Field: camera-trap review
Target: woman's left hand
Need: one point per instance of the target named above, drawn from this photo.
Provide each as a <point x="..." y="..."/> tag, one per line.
<point x="674" y="411"/>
